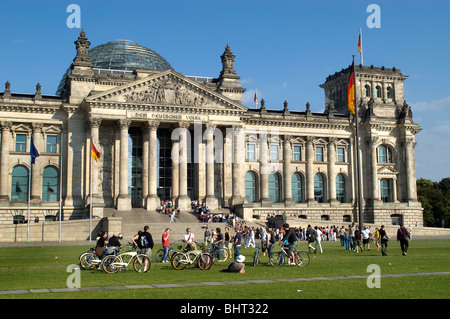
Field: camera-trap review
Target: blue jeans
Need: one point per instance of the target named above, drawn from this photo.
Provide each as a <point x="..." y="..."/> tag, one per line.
<point x="237" y="252"/>
<point x="270" y="251"/>
<point x="166" y="252"/>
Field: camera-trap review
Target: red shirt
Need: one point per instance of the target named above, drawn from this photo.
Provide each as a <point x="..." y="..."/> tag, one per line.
<point x="165" y="240"/>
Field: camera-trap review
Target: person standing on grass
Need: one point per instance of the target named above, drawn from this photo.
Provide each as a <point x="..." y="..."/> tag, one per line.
<point x="404" y="238"/>
<point x="237" y="243"/>
<point x="318" y="239"/>
<point x="383" y="240"/>
<point x="270" y="240"/>
<point x="144" y="241"/>
<point x="165" y="245"/>
<point x="357" y="239"/>
<point x="311" y="237"/>
<point x="228" y="240"/>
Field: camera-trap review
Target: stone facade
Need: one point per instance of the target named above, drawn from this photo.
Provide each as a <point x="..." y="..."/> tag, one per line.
<point x="261" y="162"/>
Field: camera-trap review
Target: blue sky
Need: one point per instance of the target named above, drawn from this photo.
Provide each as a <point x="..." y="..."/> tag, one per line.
<point x="283" y="48"/>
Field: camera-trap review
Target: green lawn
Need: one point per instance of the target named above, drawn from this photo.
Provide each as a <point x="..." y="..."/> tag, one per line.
<point x="45" y="268"/>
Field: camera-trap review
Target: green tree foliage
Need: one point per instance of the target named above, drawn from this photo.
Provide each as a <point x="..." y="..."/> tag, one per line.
<point x="435" y="200"/>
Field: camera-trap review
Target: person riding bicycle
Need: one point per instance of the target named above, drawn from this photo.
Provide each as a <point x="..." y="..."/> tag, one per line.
<point x="289" y="239"/>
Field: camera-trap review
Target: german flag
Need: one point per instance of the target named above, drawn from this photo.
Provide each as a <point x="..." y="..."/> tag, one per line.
<point x="255" y="99"/>
<point x="94" y="153"/>
<point x="351" y="90"/>
<point x="359" y="44"/>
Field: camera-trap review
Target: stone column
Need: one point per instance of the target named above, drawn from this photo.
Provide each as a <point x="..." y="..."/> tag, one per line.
<point x="410" y="170"/>
<point x="145" y="163"/>
<point x="124" y="200"/>
<point x="264" y="168"/>
<point x="175" y="170"/>
<point x="152" y="198"/>
<point x="287" y="158"/>
<point x="332" y="171"/>
<point x="238" y="154"/>
<point x="374" y="174"/>
<point x="94" y="124"/>
<point x="183" y="201"/>
<point x="36" y="181"/>
<point x="310" y="171"/>
<point x="211" y="200"/>
<point x="4" y="162"/>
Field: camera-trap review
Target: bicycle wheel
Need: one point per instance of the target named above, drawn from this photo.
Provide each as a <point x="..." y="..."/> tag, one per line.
<point x="302" y="258"/>
<point x="179" y="261"/>
<point x="191" y="260"/>
<point x="223" y="253"/>
<point x="159" y="255"/>
<point x="204" y="261"/>
<point x="86" y="261"/>
<point x="108" y="264"/>
<point x="141" y="263"/>
<point x="277" y="259"/>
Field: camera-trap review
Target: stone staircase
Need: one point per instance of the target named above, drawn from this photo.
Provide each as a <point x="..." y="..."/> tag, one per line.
<point x="135" y="220"/>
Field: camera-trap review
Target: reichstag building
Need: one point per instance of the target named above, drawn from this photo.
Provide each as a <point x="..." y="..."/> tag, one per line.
<point x="163" y="135"/>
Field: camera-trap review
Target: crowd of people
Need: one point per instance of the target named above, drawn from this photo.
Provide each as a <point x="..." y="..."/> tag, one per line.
<point x="351" y="237"/>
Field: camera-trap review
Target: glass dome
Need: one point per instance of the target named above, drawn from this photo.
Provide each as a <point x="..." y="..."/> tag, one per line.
<point x="123" y="55"/>
<point x="127" y="55"/>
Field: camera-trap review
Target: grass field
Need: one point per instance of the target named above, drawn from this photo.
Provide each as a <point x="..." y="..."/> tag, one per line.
<point x="29" y="268"/>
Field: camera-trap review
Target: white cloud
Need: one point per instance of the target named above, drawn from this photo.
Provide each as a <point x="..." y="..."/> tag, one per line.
<point x="431" y="106"/>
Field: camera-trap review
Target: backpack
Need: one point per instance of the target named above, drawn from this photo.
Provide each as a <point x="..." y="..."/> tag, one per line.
<point x="143" y="242"/>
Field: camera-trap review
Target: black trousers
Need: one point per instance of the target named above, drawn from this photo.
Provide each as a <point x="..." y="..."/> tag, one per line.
<point x="404" y="244"/>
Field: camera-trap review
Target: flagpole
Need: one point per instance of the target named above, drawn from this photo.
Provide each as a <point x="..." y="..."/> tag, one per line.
<point x="358" y="156"/>
<point x="29" y="194"/>
<point x="60" y="180"/>
<point x="90" y="195"/>
<point x="360" y="36"/>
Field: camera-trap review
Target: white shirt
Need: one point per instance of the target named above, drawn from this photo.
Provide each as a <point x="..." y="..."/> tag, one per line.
<point x="189" y="237"/>
<point x="365" y="233"/>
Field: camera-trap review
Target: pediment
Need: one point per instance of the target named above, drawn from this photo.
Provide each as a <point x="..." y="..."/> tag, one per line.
<point x="387" y="170"/>
<point x="169" y="89"/>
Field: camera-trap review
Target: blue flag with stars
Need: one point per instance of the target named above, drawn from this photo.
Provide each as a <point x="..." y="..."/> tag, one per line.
<point x="33" y="151"/>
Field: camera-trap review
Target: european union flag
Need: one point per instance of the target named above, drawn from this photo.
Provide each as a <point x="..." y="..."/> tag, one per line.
<point x="33" y="151"/>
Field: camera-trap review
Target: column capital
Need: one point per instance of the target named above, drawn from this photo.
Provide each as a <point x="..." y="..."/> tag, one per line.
<point x="210" y="127"/>
<point x="37" y="127"/>
<point x="124" y="124"/>
<point x="152" y="125"/>
<point x="5" y="125"/>
<point x="185" y="125"/>
<point x="94" y="122"/>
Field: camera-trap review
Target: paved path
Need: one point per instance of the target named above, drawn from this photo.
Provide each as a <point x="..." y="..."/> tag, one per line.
<point x="213" y="283"/>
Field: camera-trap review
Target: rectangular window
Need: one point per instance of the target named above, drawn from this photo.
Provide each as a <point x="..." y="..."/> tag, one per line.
<point x="251" y="152"/>
<point x="274" y="152"/>
<point x="51" y="143"/>
<point x="21" y="143"/>
<point x="341" y="154"/>
<point x="386" y="190"/>
<point x="297" y="153"/>
<point x="319" y="154"/>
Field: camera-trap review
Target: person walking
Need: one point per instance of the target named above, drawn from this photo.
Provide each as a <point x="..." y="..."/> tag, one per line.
<point x="165" y="245"/>
<point x="318" y="240"/>
<point x="237" y="243"/>
<point x="383" y="240"/>
<point x="404" y="238"/>
<point x="311" y="237"/>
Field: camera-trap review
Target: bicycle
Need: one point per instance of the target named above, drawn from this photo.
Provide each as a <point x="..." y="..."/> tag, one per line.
<point x="301" y="258"/>
<point x="160" y="253"/>
<point x="191" y="259"/>
<point x="89" y="260"/>
<point x="112" y="264"/>
<point x="216" y="252"/>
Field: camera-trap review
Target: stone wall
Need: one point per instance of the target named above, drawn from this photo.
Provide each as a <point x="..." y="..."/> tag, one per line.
<point x="72" y="230"/>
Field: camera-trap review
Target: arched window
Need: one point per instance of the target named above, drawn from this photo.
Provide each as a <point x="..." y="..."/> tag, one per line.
<point x="389" y="93"/>
<point x="297" y="188"/>
<point x="19" y="184"/>
<point x="340" y="188"/>
<point x="384" y="154"/>
<point x="250" y="187"/>
<point x="379" y="94"/>
<point x="319" y="188"/>
<point x="50" y="189"/>
<point x="367" y="87"/>
<point x="274" y="188"/>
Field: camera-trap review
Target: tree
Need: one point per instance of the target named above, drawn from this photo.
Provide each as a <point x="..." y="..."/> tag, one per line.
<point x="435" y="200"/>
